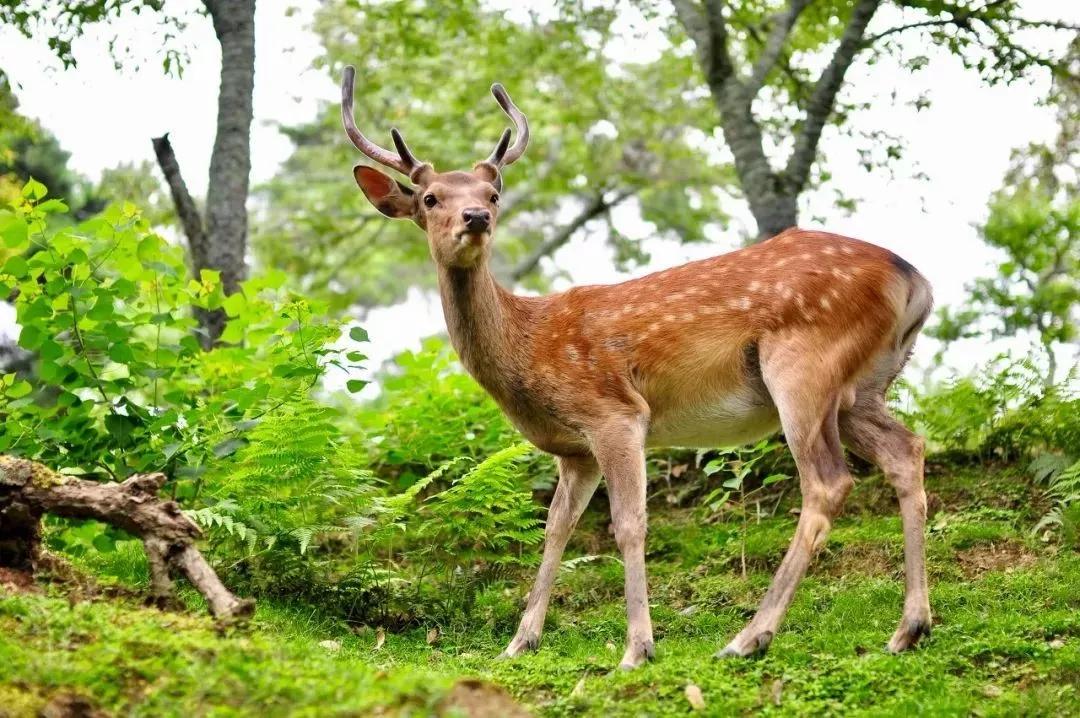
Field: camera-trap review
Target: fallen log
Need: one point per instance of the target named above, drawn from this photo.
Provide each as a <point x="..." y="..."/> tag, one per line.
<point x="29" y="490"/>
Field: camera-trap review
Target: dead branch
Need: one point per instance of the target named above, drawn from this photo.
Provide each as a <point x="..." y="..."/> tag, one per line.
<point x="29" y="490"/>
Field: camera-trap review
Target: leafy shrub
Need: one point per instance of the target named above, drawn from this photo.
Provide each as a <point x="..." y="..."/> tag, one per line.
<point x="429" y="412"/>
<point x="1004" y="410"/>
<point x="121" y="383"/>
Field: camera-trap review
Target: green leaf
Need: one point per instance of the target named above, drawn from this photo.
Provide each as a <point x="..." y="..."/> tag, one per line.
<point x="355" y="385"/>
<point x="31" y="337"/>
<point x="19" y="389"/>
<point x="227" y="447"/>
<point x="104" y="543"/>
<point x="52" y="205"/>
<point x="50" y="350"/>
<point x="16" y="266"/>
<point x="33" y="189"/>
<point x="149" y="248"/>
<point x="13" y="231"/>
<point x="121" y="353"/>
<point x="358" y="334"/>
<point x="234" y="304"/>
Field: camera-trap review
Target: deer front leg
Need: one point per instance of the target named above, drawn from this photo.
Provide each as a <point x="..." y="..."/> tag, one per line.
<point x="620" y="450"/>
<point x="578" y="477"/>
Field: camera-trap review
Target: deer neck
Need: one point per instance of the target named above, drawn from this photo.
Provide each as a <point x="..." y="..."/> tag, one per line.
<point x="483" y="320"/>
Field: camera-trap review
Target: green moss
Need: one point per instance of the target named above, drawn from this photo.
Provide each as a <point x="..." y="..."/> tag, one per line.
<point x="1006" y="639"/>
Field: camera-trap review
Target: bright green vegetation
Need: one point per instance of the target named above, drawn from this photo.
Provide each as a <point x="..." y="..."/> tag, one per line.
<point x="1006" y="639"/>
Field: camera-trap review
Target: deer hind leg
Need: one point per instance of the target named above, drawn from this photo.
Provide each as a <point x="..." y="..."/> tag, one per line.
<point x="869" y="431"/>
<point x="578" y="478"/>
<point x="809" y="421"/>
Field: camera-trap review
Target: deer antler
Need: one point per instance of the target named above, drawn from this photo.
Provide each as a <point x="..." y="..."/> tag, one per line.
<point x="502" y="155"/>
<point x="404" y="161"/>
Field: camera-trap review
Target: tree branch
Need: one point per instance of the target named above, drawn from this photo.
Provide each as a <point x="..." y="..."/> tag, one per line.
<point x="958" y="17"/>
<point x="823" y="98"/>
<point x="705" y="25"/>
<point x="782" y="23"/>
<point x="186" y="210"/>
<point x="596" y="206"/>
<point x="29" y="490"/>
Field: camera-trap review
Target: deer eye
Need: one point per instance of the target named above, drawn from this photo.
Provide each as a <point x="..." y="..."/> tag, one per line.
<point x="430" y="201"/>
<point x="494" y="199"/>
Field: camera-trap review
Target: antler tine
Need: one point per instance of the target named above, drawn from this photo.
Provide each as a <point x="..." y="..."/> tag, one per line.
<point x="521" y="124"/>
<point x="496" y="157"/>
<point x="404" y="161"/>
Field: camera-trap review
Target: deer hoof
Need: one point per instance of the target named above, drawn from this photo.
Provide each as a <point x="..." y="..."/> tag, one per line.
<point x="755" y="646"/>
<point x="522" y="643"/>
<point x="908" y="634"/>
<point x="637" y="655"/>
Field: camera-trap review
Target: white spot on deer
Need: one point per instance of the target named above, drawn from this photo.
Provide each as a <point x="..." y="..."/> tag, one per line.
<point x="754" y="286"/>
<point x="571" y="353"/>
<point x="805" y="256"/>
<point x="654" y="327"/>
<point x="799" y="300"/>
<point x="846" y="249"/>
<point x="834" y="294"/>
<point x="829" y="249"/>
<point x="689" y="317"/>
<point x="824" y="302"/>
<point x="744" y="303"/>
<point x="782" y="261"/>
<point x="787" y="292"/>
<point x="669" y="318"/>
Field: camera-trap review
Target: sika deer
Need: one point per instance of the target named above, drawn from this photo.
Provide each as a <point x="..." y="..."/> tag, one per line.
<point x="803" y="332"/>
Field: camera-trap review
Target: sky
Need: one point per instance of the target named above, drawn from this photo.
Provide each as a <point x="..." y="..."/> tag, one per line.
<point x="962" y="142"/>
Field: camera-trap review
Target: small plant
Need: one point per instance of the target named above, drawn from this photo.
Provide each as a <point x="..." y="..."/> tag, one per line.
<point x="1061" y="476"/>
<point x="740" y="464"/>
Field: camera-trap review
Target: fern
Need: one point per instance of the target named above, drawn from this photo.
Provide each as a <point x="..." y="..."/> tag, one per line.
<point x="487" y="508"/>
<point x="1062" y="481"/>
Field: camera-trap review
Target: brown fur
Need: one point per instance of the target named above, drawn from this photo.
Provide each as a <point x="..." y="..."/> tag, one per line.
<point x="803" y="332"/>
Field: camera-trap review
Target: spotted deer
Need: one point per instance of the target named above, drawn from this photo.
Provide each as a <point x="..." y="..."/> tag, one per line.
<point x="801" y="333"/>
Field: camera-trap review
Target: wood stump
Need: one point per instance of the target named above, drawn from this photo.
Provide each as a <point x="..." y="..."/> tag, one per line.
<point x="29" y="490"/>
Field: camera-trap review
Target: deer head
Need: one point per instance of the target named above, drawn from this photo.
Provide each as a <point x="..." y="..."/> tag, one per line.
<point x="458" y="209"/>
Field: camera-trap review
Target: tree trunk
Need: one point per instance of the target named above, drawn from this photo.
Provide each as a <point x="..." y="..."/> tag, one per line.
<point x="1051" y="366"/>
<point x="773" y="213"/>
<point x="220" y="242"/>
<point x="230" y="163"/>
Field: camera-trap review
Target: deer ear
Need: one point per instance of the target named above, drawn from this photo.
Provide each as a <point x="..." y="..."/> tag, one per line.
<point x="487" y="171"/>
<point x="387" y="195"/>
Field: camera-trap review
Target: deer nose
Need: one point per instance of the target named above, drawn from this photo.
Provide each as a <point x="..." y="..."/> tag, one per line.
<point x="476" y="219"/>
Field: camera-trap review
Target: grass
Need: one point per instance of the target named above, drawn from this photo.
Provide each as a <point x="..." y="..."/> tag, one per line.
<point x="1006" y="639"/>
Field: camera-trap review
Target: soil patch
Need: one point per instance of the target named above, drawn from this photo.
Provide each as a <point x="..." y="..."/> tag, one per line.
<point x="999" y="556"/>
<point x="476" y="699"/>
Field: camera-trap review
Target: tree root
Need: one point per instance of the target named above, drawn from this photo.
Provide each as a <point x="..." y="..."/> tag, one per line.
<point x="29" y="490"/>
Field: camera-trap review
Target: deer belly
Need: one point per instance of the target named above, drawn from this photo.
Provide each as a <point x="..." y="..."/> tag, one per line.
<point x="731" y="420"/>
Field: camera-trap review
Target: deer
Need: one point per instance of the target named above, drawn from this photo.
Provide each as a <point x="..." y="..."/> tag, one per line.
<point x="802" y="333"/>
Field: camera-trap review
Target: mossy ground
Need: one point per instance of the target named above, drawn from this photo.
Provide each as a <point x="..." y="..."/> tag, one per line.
<point x="1006" y="638"/>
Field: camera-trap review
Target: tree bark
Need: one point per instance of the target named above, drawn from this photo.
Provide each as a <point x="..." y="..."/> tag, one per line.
<point x="220" y="242"/>
<point x="186" y="209"/>
<point x="230" y="163"/>
<point x="772" y="195"/>
<point x="29" y="490"/>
